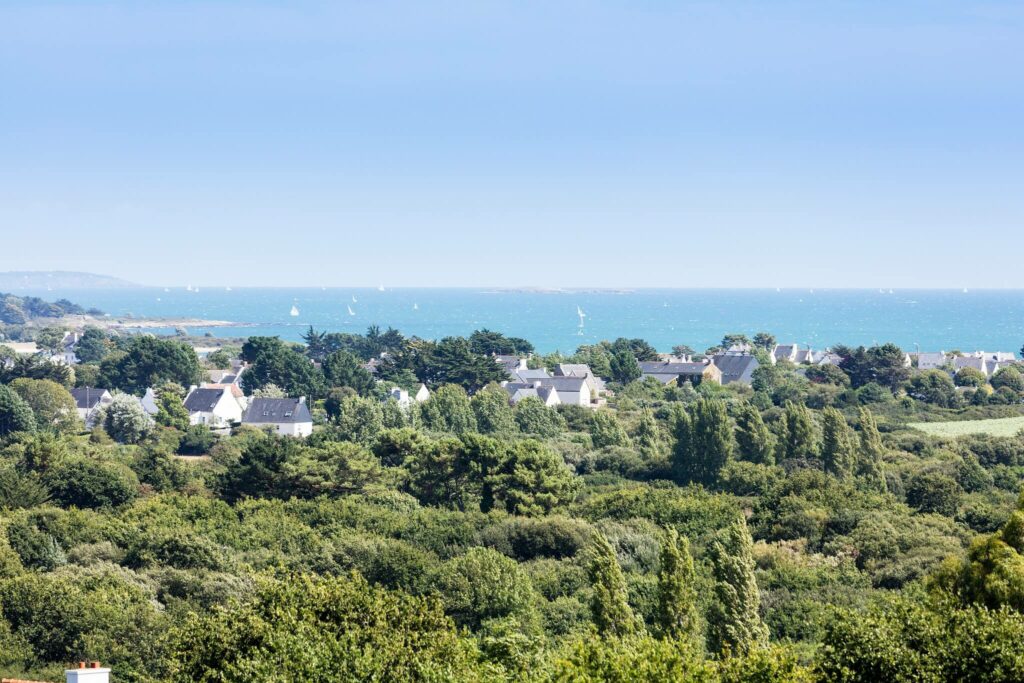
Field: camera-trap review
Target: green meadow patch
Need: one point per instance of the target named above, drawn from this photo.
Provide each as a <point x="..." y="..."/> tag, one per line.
<point x="1006" y="426"/>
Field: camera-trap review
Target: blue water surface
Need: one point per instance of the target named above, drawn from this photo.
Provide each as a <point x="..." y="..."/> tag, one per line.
<point x="929" y="319"/>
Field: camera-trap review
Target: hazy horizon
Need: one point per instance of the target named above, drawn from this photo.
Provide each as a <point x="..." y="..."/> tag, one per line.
<point x="552" y="145"/>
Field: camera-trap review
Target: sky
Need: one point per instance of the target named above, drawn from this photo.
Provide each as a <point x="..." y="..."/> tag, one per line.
<point x="638" y="143"/>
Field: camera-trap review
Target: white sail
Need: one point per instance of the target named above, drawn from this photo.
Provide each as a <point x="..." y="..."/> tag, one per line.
<point x="380" y="288"/>
<point x="295" y="310"/>
<point x="354" y="299"/>
<point x="415" y="307"/>
<point x="350" y="311"/>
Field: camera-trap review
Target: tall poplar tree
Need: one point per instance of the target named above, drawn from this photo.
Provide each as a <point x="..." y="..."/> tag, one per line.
<point x="755" y="442"/>
<point x="677" y="597"/>
<point x="734" y="622"/>
<point x="837" y="449"/>
<point x="609" y="605"/>
<point x="800" y="438"/>
<point x="869" y="464"/>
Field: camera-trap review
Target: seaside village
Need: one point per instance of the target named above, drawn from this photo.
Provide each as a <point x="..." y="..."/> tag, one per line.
<point x="220" y="404"/>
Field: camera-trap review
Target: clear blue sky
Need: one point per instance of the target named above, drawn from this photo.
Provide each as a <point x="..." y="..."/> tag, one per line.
<point x="629" y="143"/>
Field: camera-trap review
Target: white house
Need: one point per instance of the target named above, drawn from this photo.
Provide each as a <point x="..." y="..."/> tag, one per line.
<point x="422" y="394"/>
<point x="89" y="401"/>
<point x="286" y="416"/>
<point x="212" y="406"/>
<point x="597" y="385"/>
<point x="931" y="361"/>
<point x="517" y="391"/>
<point x="571" y="390"/>
<point x="149" y="403"/>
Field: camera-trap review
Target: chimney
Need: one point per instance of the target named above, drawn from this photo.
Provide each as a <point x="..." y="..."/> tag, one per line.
<point x="87" y="672"/>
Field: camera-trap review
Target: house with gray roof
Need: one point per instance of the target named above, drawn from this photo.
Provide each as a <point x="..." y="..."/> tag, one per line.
<point x="89" y="401"/>
<point x="597" y="385"/>
<point x="517" y="391"/>
<point x="786" y="352"/>
<point x="678" y="373"/>
<point x="286" y="416"/>
<point x="215" y="407"/>
<point x="530" y="375"/>
<point x="736" y="367"/>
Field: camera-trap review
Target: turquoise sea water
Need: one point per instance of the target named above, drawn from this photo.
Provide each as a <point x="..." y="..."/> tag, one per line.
<point x="933" y="319"/>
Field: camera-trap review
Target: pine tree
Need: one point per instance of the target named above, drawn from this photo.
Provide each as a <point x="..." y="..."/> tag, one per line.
<point x="869" y="466"/>
<point x="677" y="598"/>
<point x="837" y="449"/>
<point x="801" y="435"/>
<point x="609" y="606"/>
<point x="734" y="622"/>
<point x="753" y="438"/>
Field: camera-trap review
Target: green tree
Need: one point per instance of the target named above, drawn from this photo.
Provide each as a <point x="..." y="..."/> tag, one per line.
<point x="869" y="464"/>
<point x="15" y="414"/>
<point x="343" y="369"/>
<point x="709" y="434"/>
<point x="448" y="410"/>
<point x="888" y="366"/>
<point x="53" y="406"/>
<point x="359" y="419"/>
<point x="483" y="585"/>
<point x="311" y="628"/>
<point x="492" y="411"/>
<point x="93" y="346"/>
<point x="50" y="338"/>
<point x="171" y="411"/>
<point x="754" y="441"/>
<point x="935" y="387"/>
<point x="441" y="473"/>
<point x="838" y="453"/>
<point x="609" y="603"/>
<point x="531" y="479"/>
<point x="533" y="417"/>
<point x="734" y="622"/>
<point x="89" y="483"/>
<point x="765" y="340"/>
<point x="624" y="367"/>
<point x="799" y="434"/>
<point x="677" y="597"/>
<point x="149" y="362"/>
<point x="273" y="362"/>
<point x="970" y="377"/>
<point x="334" y="469"/>
<point x="1009" y="378"/>
<point x="605" y="430"/>
<point x="934" y="491"/>
<point x="647" y="435"/>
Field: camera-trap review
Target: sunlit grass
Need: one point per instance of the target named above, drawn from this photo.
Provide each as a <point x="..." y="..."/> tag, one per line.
<point x="1006" y="426"/>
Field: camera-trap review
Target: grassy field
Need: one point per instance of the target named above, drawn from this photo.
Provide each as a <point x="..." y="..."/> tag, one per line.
<point x="1006" y="426"/>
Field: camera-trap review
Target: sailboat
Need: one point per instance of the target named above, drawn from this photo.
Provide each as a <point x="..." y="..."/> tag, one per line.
<point x="415" y="307"/>
<point x="294" y="311"/>
<point x="965" y="290"/>
<point x="350" y="311"/>
<point x="380" y="288"/>
<point x="890" y="291"/>
<point x="227" y="289"/>
<point x="582" y="315"/>
<point x="167" y="289"/>
<point x="188" y="288"/>
<point x="354" y="299"/>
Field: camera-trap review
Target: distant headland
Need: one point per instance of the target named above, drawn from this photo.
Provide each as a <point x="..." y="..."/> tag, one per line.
<point x="59" y="279"/>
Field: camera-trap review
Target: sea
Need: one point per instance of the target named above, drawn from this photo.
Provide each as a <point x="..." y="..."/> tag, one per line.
<point x="926" y="320"/>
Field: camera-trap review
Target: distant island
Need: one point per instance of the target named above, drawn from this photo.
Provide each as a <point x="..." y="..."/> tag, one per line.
<point x="59" y="279"/>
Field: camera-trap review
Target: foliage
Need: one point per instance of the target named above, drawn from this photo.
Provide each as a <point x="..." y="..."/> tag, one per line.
<point x="609" y="605"/>
<point x="149" y="362"/>
<point x="53" y="406"/>
<point x="87" y="483"/>
<point x="124" y="420"/>
<point x="15" y="414"/>
<point x="734" y="623"/>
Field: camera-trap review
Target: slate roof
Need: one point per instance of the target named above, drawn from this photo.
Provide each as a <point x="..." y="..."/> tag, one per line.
<point x="277" y="411"/>
<point x="202" y="400"/>
<point x="569" y="384"/>
<point x="734" y="367"/>
<point x="86" y="398"/>
<point x="674" y="369"/>
<point x="531" y="374"/>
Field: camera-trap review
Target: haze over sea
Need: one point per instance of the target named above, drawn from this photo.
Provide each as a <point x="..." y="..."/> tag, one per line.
<point x="933" y="319"/>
